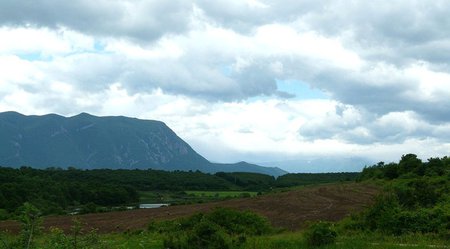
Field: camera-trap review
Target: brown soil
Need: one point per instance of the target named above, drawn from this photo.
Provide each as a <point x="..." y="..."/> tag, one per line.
<point x="289" y="210"/>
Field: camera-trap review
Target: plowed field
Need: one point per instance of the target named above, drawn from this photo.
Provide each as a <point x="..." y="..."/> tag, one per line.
<point x="288" y="210"/>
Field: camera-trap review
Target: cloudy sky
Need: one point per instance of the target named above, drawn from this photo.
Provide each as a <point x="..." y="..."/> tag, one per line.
<point x="253" y="80"/>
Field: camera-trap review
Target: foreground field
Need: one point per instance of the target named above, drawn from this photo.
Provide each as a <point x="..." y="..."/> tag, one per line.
<point x="285" y="240"/>
<point x="367" y="241"/>
<point x="288" y="210"/>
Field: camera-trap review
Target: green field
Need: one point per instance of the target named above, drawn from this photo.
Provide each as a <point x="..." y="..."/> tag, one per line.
<point x="222" y="194"/>
<point x="161" y="197"/>
<point x="194" y="196"/>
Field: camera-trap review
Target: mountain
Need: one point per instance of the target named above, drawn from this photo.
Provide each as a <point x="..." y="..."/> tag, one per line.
<point x="88" y="142"/>
<point x="322" y="164"/>
<point x="247" y="167"/>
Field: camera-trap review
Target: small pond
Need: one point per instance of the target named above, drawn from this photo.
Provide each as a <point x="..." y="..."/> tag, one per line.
<point x="157" y="205"/>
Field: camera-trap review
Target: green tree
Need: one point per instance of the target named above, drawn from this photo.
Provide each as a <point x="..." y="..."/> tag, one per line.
<point x="435" y="166"/>
<point x="319" y="234"/>
<point x="409" y="163"/>
<point x="31" y="225"/>
<point x="391" y="171"/>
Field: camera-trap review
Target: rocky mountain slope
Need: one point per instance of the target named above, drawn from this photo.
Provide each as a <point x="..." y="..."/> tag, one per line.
<point x="86" y="141"/>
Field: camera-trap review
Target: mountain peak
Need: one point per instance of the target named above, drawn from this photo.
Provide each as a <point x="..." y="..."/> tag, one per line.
<point x="88" y="141"/>
<point x="84" y="114"/>
<point x="11" y="114"/>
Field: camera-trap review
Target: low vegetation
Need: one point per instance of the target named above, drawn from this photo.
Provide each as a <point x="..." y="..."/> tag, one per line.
<point x="416" y="198"/>
<point x="412" y="211"/>
<point x="320" y="234"/>
<point x="221" y="229"/>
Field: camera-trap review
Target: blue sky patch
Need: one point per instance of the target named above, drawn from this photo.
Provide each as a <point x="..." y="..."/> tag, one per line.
<point x="36" y="56"/>
<point x="300" y="90"/>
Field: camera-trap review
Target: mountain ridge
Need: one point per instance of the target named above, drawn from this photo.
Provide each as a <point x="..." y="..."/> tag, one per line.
<point x="88" y="142"/>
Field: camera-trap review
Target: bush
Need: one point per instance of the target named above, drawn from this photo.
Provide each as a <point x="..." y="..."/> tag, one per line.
<point x="222" y="228"/>
<point x="57" y="239"/>
<point x="31" y="225"/>
<point x="76" y="239"/>
<point x="417" y="193"/>
<point x="89" y="208"/>
<point x="4" y="215"/>
<point x="235" y="222"/>
<point x="399" y="213"/>
<point x="320" y="234"/>
<point x="381" y="215"/>
<point x="207" y="234"/>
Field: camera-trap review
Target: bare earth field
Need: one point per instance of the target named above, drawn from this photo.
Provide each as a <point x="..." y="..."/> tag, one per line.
<point x="288" y="210"/>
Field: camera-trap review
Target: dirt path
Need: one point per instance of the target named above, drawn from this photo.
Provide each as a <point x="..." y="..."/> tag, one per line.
<point x="288" y="210"/>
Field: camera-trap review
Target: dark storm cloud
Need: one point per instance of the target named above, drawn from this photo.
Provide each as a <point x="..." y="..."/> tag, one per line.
<point x="93" y="72"/>
<point x="384" y="93"/>
<point x="396" y="31"/>
<point x="361" y="89"/>
<point x="243" y="16"/>
<point x="200" y="80"/>
<point x="139" y="20"/>
<point x="393" y="31"/>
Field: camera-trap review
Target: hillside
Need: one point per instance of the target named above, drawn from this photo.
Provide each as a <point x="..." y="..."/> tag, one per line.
<point x="90" y="142"/>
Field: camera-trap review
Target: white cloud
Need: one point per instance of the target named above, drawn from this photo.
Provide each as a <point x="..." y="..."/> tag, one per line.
<point x="210" y="70"/>
<point x="433" y="86"/>
<point x="26" y="41"/>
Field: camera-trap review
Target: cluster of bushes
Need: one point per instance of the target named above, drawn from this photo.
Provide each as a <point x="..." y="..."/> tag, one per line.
<point x="222" y="228"/>
<point x="389" y="216"/>
<point x="320" y="234"/>
<point x="410" y="166"/>
<point x="416" y="198"/>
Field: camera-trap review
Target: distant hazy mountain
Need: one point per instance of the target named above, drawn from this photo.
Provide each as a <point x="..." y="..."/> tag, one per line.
<point x="323" y="164"/>
<point x="247" y="167"/>
<point x="86" y="141"/>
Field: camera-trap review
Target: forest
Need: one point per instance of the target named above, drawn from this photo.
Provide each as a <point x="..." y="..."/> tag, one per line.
<point x="58" y="191"/>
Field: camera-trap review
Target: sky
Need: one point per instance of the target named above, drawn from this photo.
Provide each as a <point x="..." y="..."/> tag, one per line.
<point x="248" y="80"/>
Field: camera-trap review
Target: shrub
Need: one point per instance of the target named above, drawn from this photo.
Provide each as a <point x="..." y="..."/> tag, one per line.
<point x="31" y="224"/>
<point x="390" y="216"/>
<point x="381" y="215"/>
<point x="222" y="228"/>
<point x="320" y="234"/>
<point x="207" y="234"/>
<point x="235" y="222"/>
<point x="57" y="239"/>
<point x="417" y="193"/>
<point x="76" y="239"/>
<point x="4" y="214"/>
